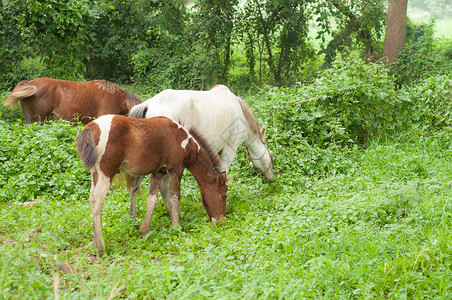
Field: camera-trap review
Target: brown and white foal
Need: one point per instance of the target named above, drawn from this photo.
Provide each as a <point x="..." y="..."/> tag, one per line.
<point x="156" y="146"/>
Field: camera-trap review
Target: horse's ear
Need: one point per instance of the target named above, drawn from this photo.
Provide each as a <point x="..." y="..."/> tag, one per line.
<point x="222" y="178"/>
<point x="263" y="130"/>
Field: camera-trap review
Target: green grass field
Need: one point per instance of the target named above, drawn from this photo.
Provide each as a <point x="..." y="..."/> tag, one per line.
<point x="380" y="230"/>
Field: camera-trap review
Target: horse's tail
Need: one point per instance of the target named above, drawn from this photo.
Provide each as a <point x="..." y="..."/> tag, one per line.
<point x="138" y="111"/>
<point x="86" y="147"/>
<point x="22" y="90"/>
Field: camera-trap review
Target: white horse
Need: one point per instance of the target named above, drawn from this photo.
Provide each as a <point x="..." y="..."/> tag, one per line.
<point x="220" y="116"/>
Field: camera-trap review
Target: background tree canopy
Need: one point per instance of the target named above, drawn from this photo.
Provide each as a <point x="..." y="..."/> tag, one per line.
<point x="193" y="44"/>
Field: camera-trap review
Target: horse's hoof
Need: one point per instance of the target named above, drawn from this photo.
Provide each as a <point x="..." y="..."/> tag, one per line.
<point x="144" y="231"/>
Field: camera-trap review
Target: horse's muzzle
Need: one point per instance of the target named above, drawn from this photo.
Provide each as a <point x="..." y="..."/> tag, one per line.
<point x="218" y="221"/>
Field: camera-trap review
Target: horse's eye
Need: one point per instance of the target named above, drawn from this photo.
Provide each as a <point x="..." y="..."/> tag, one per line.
<point x="223" y="198"/>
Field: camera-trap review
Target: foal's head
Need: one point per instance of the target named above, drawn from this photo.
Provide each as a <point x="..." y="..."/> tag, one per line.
<point x="214" y="198"/>
<point x="212" y="181"/>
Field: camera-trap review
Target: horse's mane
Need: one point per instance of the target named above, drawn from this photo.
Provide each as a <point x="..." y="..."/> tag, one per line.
<point x="110" y="87"/>
<point x="252" y="122"/>
<point x="214" y="158"/>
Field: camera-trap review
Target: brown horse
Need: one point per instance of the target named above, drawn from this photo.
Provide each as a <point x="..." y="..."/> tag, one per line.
<point x="70" y="100"/>
<point x="156" y="146"/>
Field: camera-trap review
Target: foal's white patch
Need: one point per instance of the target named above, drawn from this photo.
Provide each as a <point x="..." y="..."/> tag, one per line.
<point x="184" y="143"/>
<point x="104" y="123"/>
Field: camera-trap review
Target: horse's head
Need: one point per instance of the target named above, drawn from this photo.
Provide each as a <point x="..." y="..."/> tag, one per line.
<point x="214" y="198"/>
<point x="262" y="157"/>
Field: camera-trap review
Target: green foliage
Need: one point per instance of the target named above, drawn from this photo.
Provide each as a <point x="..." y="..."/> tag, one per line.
<point x="277" y="31"/>
<point x="180" y="44"/>
<point x="54" y="36"/>
<point x="432" y="103"/>
<point x="20" y="275"/>
<point x="39" y="161"/>
<point x="359" y="25"/>
<point x="123" y="27"/>
<point x="349" y="103"/>
<point x="213" y="32"/>
<point x="181" y="54"/>
<point x="379" y="231"/>
<point x="422" y="55"/>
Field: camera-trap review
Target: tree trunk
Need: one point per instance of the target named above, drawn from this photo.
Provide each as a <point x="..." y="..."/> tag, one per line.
<point x="265" y="34"/>
<point x="395" y="29"/>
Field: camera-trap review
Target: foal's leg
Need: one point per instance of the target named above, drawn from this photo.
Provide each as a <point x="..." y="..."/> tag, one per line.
<point x="174" y="183"/>
<point x="150" y="203"/>
<point x="134" y="188"/>
<point x="96" y="198"/>
<point x="165" y="192"/>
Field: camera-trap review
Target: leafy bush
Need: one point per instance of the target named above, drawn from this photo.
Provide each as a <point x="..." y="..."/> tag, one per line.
<point x="349" y="103"/>
<point x="432" y="103"/>
<point x="39" y="161"/>
<point x="422" y="55"/>
<point x="313" y="128"/>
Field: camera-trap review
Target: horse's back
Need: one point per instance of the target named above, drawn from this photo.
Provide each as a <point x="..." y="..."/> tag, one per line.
<point x="209" y="111"/>
<point x="137" y="146"/>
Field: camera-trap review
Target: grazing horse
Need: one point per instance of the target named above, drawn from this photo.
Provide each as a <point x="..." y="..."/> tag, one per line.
<point x="220" y="116"/>
<point x="156" y="146"/>
<point x="72" y="101"/>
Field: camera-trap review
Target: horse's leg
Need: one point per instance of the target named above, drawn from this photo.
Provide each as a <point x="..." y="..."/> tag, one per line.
<point x="28" y="114"/>
<point x="165" y="191"/>
<point x="150" y="203"/>
<point x="96" y="198"/>
<point x="39" y="109"/>
<point x="174" y="199"/>
<point x="134" y="187"/>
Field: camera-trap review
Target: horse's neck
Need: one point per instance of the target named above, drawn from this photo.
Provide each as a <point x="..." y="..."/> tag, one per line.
<point x="202" y="168"/>
<point x="254" y="145"/>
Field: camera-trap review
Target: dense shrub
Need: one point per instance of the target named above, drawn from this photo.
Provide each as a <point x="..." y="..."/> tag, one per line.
<point x="431" y="99"/>
<point x="39" y="161"/>
<point x="349" y="103"/>
<point x="423" y="55"/>
<point x="313" y="127"/>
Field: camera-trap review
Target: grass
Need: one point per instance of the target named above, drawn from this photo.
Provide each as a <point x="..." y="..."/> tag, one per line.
<point x="380" y="230"/>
